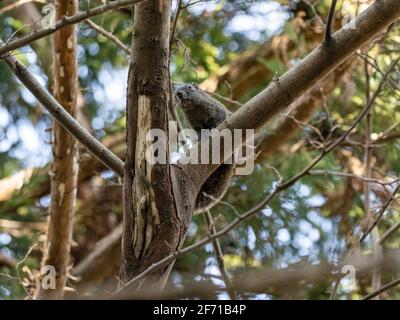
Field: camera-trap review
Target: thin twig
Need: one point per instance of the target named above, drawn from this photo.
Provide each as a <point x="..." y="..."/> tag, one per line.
<point x="336" y="287"/>
<point x="110" y="36"/>
<point x="377" y="248"/>
<point x="65" y="21"/>
<point x="312" y="7"/>
<point x="383" y="289"/>
<point x="220" y="257"/>
<point x="17" y="4"/>
<point x="352" y="175"/>
<point x="328" y="29"/>
<point x="234" y="102"/>
<point x="174" y="24"/>
<point x="381" y="213"/>
<point x="225" y="203"/>
<point x="374" y="65"/>
<point x="389" y="232"/>
<point x="269" y="280"/>
<point x="20" y="263"/>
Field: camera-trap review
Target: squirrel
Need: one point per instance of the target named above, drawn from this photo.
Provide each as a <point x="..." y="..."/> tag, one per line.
<point x="203" y="112"/>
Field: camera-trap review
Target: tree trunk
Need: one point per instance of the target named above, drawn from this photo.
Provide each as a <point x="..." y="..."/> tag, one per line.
<point x="158" y="199"/>
<point x="152" y="227"/>
<point x="64" y="171"/>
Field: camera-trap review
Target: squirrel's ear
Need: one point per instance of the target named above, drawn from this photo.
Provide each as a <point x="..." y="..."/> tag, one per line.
<point x="195" y="85"/>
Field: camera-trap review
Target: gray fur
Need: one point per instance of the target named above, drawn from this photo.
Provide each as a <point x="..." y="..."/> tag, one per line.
<point x="203" y="112"/>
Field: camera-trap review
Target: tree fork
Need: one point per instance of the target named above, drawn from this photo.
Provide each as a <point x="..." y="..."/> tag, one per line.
<point x="155" y="219"/>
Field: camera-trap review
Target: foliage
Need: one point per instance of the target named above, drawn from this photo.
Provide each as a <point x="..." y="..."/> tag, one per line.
<point x="310" y="222"/>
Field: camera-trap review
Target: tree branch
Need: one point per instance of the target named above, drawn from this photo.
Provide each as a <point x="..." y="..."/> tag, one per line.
<point x="383" y="289"/>
<point x="328" y="30"/>
<point x="63" y="117"/>
<point x="220" y="256"/>
<point x="14" y="5"/>
<point x="109" y="35"/>
<point x="381" y="213"/>
<point x="271" y="280"/>
<point x="389" y="232"/>
<point x="303" y="76"/>
<point x="66" y="21"/>
<point x="104" y="258"/>
<point x="319" y="63"/>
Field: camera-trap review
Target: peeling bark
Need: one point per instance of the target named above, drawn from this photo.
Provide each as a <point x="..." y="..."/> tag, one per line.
<point x="64" y="171"/>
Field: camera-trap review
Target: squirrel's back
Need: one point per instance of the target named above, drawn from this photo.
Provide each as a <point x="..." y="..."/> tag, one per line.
<point x="203" y="112"/>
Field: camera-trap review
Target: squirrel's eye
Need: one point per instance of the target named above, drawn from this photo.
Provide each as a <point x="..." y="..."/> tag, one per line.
<point x="190" y="87"/>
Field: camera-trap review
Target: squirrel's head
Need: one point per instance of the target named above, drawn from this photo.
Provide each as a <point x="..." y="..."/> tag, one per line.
<point x="187" y="94"/>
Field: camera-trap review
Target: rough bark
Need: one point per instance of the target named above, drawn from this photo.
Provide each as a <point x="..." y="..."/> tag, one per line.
<point x="64" y="171"/>
<point x="153" y="225"/>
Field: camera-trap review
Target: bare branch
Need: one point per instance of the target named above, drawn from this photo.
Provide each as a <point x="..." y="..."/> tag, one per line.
<point x="351" y="175"/>
<point x="101" y="261"/>
<point x="317" y="16"/>
<point x="15" y="5"/>
<point x="380" y="215"/>
<point x="328" y="30"/>
<point x="66" y="21"/>
<point x="270" y="280"/>
<point x="389" y="232"/>
<point x="109" y="35"/>
<point x="220" y="257"/>
<point x="318" y="64"/>
<point x="383" y="289"/>
<point x="63" y="117"/>
<point x="23" y="225"/>
<point x="174" y="24"/>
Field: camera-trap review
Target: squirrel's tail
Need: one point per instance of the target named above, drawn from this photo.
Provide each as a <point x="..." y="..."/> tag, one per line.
<point x="214" y="188"/>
